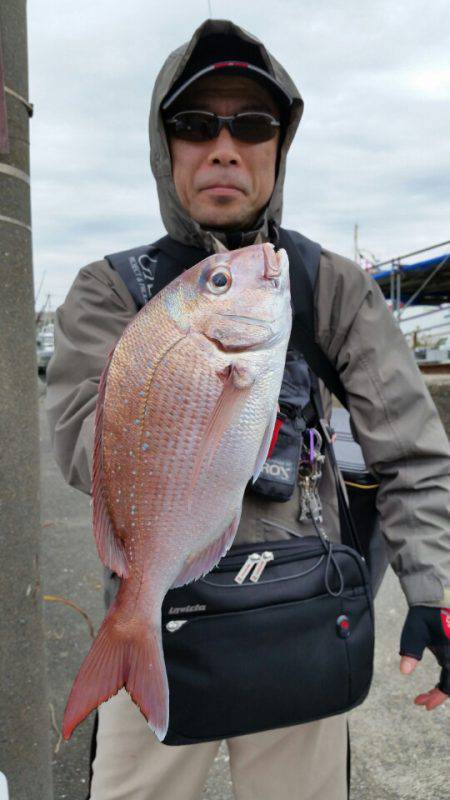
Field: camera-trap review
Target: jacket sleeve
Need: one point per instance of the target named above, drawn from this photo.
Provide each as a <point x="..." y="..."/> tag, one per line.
<point x="87" y="326"/>
<point x="398" y="427"/>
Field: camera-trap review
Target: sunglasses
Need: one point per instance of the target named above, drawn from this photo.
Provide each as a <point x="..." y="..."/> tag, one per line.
<point x="252" y="127"/>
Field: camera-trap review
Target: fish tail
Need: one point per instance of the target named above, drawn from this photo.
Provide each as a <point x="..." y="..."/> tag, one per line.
<point x="122" y="655"/>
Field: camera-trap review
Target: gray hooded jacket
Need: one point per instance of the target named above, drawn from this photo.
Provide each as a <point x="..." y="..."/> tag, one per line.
<point x="400" y="433"/>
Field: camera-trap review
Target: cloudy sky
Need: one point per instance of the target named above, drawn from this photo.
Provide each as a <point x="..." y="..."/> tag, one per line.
<point x="373" y="146"/>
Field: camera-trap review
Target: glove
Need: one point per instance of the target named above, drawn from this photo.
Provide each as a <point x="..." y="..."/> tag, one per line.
<point x="429" y="627"/>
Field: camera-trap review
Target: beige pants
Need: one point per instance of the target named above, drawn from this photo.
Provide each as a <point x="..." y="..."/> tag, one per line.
<point x="303" y="762"/>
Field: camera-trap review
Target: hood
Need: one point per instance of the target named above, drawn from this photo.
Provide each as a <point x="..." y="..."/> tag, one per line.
<point x="177" y="222"/>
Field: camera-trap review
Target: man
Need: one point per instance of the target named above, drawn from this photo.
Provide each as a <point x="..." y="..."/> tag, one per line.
<point x="220" y="182"/>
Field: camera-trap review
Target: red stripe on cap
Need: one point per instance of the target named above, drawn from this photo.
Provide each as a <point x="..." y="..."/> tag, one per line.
<point x="230" y="64"/>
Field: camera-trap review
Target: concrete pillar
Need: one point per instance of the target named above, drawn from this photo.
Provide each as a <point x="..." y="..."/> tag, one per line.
<point x="24" y="713"/>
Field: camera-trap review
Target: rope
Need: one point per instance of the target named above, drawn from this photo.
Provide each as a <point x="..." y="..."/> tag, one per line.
<point x="28" y="106"/>
<point x="53" y="598"/>
<point x="331" y="560"/>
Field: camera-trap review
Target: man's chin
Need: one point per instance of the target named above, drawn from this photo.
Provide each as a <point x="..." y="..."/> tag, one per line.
<point x="224" y="226"/>
<point x="225" y="222"/>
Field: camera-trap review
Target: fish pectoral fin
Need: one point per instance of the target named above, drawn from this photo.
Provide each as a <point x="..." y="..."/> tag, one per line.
<point x="265" y="446"/>
<point x="110" y="546"/>
<point x="201" y="563"/>
<point x="237" y="381"/>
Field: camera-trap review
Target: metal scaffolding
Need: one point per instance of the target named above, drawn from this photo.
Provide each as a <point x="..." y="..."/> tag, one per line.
<point x="425" y="282"/>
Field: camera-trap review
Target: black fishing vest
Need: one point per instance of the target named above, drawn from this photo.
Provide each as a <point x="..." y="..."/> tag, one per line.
<point x="146" y="270"/>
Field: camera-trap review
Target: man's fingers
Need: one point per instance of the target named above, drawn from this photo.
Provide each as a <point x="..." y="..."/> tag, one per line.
<point x="431" y="699"/>
<point x="408" y="665"/>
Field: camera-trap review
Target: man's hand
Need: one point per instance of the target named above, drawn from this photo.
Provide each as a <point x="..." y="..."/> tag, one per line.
<point x="427" y="627"/>
<point x="430" y="699"/>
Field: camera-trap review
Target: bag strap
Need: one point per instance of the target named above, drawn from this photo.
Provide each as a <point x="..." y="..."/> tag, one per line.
<point x="187" y="255"/>
<point x="348" y="528"/>
<point x="304" y="258"/>
<point x="145" y="270"/>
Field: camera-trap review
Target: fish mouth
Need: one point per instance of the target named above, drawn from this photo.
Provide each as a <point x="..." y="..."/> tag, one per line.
<point x="271" y="339"/>
<point x="262" y="323"/>
<point x="231" y="348"/>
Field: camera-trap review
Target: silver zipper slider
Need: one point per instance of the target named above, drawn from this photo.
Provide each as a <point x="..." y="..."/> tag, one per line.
<point x="247" y="567"/>
<point x="261" y="565"/>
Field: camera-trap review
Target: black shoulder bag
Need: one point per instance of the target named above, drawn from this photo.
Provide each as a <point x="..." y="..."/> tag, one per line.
<point x="278" y="634"/>
<point x="282" y="632"/>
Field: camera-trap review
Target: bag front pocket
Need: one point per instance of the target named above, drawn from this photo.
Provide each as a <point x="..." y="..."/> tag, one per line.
<point x="270" y="667"/>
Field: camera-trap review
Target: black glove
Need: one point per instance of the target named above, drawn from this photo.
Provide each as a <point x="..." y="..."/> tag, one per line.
<point x="429" y="627"/>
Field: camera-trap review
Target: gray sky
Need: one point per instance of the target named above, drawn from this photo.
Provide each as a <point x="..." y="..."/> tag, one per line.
<point x="373" y="146"/>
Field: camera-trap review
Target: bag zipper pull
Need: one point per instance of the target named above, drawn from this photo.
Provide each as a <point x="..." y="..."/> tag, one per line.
<point x="261" y="565"/>
<point x="246" y="567"/>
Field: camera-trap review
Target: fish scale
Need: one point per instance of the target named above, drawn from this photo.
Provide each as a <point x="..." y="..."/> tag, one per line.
<point x="185" y="415"/>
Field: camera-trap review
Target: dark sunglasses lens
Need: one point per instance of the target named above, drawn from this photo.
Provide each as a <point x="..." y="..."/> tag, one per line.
<point x="254" y="128"/>
<point x="194" y="126"/>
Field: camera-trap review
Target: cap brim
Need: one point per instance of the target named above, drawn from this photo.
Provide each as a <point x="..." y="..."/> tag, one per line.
<point x="235" y="68"/>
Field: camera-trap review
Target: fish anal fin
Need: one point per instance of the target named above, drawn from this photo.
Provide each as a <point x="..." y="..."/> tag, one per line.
<point x="110" y="546"/>
<point x="201" y="563"/>
<point x="265" y="446"/>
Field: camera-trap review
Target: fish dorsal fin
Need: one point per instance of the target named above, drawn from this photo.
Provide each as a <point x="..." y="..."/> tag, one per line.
<point x="110" y="546"/>
<point x="265" y="446"/>
<point x="201" y="563"/>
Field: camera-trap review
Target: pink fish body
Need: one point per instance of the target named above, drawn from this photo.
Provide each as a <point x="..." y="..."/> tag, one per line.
<point x="185" y="414"/>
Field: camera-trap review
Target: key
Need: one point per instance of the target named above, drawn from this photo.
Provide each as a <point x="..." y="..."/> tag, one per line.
<point x="305" y="469"/>
<point x="309" y="474"/>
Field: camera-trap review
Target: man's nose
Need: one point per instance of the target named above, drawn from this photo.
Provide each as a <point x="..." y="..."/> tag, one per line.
<point x="224" y="151"/>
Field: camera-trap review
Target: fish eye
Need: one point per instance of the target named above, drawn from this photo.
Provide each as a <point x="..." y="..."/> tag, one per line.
<point x="219" y="281"/>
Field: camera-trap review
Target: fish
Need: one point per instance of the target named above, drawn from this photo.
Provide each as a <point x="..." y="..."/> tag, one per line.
<point x="186" y="408"/>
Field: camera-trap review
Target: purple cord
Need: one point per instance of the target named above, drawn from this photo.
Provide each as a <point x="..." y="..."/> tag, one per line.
<point x="311" y="446"/>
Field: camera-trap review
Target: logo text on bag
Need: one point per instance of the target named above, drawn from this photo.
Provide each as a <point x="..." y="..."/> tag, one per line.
<point x="144" y="271"/>
<point x="186" y="609"/>
<point x="278" y="470"/>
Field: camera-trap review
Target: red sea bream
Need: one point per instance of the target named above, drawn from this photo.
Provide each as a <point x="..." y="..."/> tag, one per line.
<point x="185" y="413"/>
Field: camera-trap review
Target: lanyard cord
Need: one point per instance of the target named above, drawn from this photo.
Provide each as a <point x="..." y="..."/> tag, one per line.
<point x="331" y="558"/>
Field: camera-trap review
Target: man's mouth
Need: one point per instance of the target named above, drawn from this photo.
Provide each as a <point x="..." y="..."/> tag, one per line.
<point x="218" y="189"/>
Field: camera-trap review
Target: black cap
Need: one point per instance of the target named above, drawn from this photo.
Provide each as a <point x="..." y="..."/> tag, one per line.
<point x="227" y="54"/>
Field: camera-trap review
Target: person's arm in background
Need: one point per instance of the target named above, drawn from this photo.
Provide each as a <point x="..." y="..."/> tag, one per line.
<point x="87" y="326"/>
<point x="399" y="430"/>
